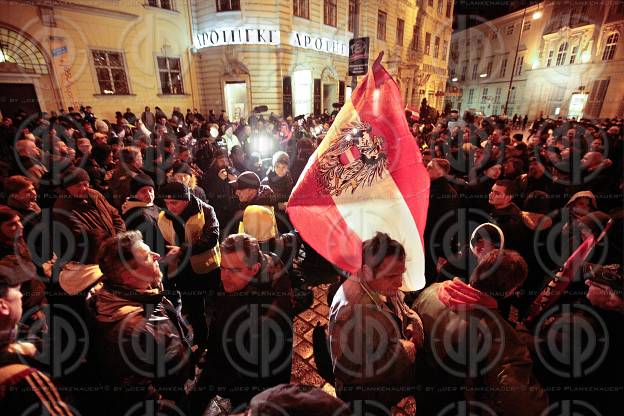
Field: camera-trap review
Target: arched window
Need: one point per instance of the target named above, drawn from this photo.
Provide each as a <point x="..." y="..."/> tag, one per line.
<point x="610" y="46"/>
<point x="17" y="49"/>
<point x="561" y="55"/>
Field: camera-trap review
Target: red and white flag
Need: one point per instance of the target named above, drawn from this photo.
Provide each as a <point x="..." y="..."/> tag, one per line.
<point x="366" y="176"/>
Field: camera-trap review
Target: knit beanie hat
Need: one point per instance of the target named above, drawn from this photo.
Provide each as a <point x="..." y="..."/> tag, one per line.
<point x="175" y="190"/>
<point x="139" y="181"/>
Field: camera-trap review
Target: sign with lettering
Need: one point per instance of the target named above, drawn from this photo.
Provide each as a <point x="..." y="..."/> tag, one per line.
<point x="319" y="44"/>
<point x="237" y="36"/>
<point x="358" y="56"/>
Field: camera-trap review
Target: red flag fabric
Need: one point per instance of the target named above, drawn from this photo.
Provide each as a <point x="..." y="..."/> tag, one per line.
<point x="366" y="176"/>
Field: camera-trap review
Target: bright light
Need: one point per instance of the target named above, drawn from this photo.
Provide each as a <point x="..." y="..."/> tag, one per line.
<point x="537" y="15"/>
<point x="454" y="79"/>
<point x="557" y="111"/>
<point x="483" y="75"/>
<point x="536" y="63"/>
<point x="585" y="56"/>
<point x="2" y="57"/>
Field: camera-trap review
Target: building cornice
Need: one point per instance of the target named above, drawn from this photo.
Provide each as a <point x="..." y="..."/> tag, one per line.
<point x="96" y="11"/>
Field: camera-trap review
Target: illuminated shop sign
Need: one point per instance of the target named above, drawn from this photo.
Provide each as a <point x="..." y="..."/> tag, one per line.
<point x="303" y="40"/>
<point x="265" y="36"/>
<point x="237" y="36"/>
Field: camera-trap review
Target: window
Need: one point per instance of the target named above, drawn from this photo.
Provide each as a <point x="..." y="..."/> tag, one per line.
<point x="301" y="8"/>
<point x="111" y="72"/>
<point x="470" y="95"/>
<point x="445" y="49"/>
<point x="474" y="71"/>
<point x="519" y="64"/>
<point x="440" y="6"/>
<point x="161" y="4"/>
<point x="430" y="2"/>
<point x="427" y="43"/>
<point x="497" y="96"/>
<point x="510" y="30"/>
<point x="228" y="5"/>
<point x="551" y="53"/>
<point x="503" y="68"/>
<point x="610" y="45"/>
<point x="488" y="71"/>
<point x="448" y="8"/>
<point x="381" y="25"/>
<point x="352" y="15"/>
<point x="573" y="54"/>
<point x="329" y="17"/>
<point x="484" y="95"/>
<point x="464" y="71"/>
<point x="561" y="55"/>
<point x="399" y="31"/>
<point x="416" y="38"/>
<point x="527" y="26"/>
<point x="436" y="47"/>
<point x="170" y="73"/>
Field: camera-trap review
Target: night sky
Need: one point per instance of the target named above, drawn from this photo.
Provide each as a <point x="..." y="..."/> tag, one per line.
<point x="479" y="10"/>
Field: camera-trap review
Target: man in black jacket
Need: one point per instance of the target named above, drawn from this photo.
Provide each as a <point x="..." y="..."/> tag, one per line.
<point x="141" y="347"/>
<point x="508" y="216"/>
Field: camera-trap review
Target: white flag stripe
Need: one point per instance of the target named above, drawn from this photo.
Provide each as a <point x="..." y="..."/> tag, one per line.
<point x="385" y="210"/>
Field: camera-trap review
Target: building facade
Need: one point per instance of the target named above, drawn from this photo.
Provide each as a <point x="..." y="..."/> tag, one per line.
<point x="107" y="54"/>
<point x="563" y="61"/>
<point x="292" y="55"/>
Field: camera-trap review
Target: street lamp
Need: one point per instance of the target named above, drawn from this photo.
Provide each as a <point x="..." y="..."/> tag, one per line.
<point x="483" y="75"/>
<point x="537" y="15"/>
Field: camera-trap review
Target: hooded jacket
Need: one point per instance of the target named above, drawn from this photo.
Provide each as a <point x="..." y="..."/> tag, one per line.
<point x="495" y="362"/>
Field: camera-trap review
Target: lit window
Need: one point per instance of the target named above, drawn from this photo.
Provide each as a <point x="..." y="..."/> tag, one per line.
<point x="352" y="13"/>
<point x="561" y="55"/>
<point x="416" y="38"/>
<point x="170" y="73"/>
<point x="111" y="72"/>
<point x="427" y="43"/>
<point x="519" y="64"/>
<point x="381" y="25"/>
<point x="301" y="8"/>
<point x="228" y="5"/>
<point x="503" y="68"/>
<point x="329" y="16"/>
<point x="551" y="53"/>
<point x="399" y="31"/>
<point x="510" y="30"/>
<point x="610" y="46"/>
<point x="161" y="4"/>
<point x="573" y="54"/>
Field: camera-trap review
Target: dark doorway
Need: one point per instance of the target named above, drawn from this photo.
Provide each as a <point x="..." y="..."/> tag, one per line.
<point x="18" y="96"/>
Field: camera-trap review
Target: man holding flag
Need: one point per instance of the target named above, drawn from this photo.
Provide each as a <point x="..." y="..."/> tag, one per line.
<point x="366" y="176"/>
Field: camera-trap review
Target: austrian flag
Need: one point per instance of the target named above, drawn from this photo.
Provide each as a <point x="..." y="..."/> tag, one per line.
<point x="366" y="176"/>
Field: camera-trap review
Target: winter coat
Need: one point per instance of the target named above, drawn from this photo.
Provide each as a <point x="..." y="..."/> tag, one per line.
<point x="196" y="232"/>
<point x="261" y="310"/>
<point x="360" y="317"/>
<point x="143" y="217"/>
<point x="86" y="219"/>
<point x="509" y="219"/>
<point x="141" y="342"/>
<point x="494" y="363"/>
<point x="281" y="186"/>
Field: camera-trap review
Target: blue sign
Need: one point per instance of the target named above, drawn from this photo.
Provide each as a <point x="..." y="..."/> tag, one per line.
<point x="59" y="51"/>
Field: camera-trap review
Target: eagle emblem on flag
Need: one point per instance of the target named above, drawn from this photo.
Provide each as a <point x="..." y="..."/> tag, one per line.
<point x="355" y="159"/>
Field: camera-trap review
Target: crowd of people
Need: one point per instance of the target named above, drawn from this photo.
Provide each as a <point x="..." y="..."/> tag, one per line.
<point x="161" y="245"/>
